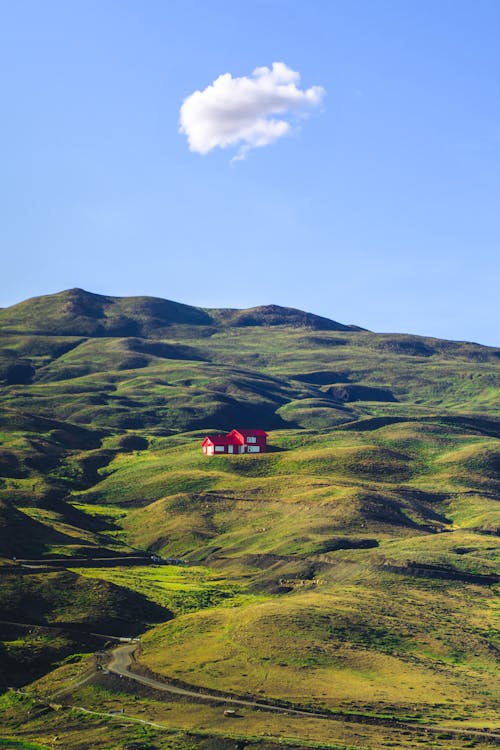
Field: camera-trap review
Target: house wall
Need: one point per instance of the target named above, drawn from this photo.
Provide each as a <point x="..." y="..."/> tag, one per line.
<point x="256" y="442"/>
<point x="250" y="440"/>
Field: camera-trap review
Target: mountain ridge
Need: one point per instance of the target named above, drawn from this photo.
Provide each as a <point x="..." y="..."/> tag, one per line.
<point x="81" y="313"/>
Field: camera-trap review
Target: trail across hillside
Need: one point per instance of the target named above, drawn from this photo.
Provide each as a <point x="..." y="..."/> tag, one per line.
<point x="68" y="628"/>
<point x="22" y="565"/>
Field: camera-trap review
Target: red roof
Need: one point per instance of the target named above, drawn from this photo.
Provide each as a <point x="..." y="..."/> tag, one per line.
<point x="251" y="433"/>
<point x="220" y="440"/>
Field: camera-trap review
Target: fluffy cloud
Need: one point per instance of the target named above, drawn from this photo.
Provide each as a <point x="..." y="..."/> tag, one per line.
<point x="242" y="111"/>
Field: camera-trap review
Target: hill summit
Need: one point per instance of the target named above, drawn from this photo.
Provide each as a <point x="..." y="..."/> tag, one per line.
<point x="76" y="312"/>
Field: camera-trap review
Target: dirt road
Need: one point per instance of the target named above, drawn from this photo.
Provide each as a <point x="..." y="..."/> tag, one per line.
<point x="120" y="665"/>
<point x="121" y="661"/>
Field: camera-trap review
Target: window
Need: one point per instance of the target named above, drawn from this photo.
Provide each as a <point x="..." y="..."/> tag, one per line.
<point x="219" y="449"/>
<point x="251" y="440"/>
<point x="254" y="448"/>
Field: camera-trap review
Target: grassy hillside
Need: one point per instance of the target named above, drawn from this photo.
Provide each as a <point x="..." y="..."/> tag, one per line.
<point x="356" y="554"/>
<point x="353" y="567"/>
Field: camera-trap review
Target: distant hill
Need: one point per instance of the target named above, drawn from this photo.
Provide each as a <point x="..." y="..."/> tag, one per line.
<point x="274" y="315"/>
<point x="76" y="312"/>
<point x="145" y="363"/>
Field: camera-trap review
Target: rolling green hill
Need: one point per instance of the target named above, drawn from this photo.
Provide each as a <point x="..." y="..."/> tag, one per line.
<point x="353" y="567"/>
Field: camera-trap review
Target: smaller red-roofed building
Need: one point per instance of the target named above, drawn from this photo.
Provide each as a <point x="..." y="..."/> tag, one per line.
<point x="237" y="441"/>
<point x="219" y="444"/>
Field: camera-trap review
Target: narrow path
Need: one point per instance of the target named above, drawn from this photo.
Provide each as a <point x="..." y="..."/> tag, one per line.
<point x="89" y="562"/>
<point x="121" y="717"/>
<point x="75" y="684"/>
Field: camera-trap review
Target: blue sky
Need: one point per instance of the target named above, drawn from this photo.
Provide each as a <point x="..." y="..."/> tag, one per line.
<point x="380" y="209"/>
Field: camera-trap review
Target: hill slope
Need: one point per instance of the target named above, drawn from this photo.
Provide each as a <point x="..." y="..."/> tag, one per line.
<point x="352" y="567"/>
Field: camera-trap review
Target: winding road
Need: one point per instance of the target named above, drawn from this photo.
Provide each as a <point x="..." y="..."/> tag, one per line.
<point x="121" y="661"/>
<point x="122" y="658"/>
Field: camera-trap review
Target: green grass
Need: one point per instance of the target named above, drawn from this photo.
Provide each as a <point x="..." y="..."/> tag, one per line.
<point x="11" y="744"/>
<point x="100" y="511"/>
<point x="306" y="575"/>
<point x="177" y="588"/>
<point x="179" y="379"/>
<point x="337" y="645"/>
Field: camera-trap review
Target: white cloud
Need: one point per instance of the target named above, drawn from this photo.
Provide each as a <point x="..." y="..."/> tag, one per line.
<point x="242" y="111"/>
